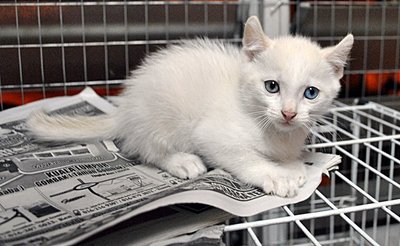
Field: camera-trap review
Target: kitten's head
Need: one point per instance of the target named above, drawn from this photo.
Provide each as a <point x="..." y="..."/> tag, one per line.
<point x="289" y="81"/>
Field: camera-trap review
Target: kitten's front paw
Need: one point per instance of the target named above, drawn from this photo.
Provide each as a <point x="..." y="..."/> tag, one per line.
<point x="184" y="165"/>
<point x="286" y="180"/>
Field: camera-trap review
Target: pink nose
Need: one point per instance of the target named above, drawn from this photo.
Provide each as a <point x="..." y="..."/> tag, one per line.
<point x="288" y="116"/>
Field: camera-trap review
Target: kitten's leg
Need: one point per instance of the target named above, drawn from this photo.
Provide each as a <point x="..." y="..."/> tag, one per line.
<point x="180" y="164"/>
<point x="183" y="165"/>
<point x="233" y="154"/>
<point x="282" y="179"/>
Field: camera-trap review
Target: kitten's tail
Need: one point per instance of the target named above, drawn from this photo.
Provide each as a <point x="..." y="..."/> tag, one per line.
<point x="69" y="128"/>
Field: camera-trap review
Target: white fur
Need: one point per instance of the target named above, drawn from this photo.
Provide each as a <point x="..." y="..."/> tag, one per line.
<point x="208" y="99"/>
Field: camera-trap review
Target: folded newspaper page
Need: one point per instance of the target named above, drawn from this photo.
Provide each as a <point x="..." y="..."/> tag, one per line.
<point x="64" y="193"/>
<point x="207" y="236"/>
<point x="159" y="225"/>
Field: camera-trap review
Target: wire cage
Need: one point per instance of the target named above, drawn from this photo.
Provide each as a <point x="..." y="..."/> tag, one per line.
<point x="52" y="48"/>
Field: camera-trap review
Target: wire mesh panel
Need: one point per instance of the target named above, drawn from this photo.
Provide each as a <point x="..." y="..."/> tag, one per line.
<point x="374" y="67"/>
<point x="360" y="204"/>
<point x="57" y="47"/>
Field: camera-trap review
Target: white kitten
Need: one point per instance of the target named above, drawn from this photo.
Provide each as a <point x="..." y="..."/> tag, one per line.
<point x="247" y="111"/>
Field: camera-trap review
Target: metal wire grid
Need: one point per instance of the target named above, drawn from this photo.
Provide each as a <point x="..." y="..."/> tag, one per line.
<point x="53" y="45"/>
<point x="58" y="45"/>
<point x="361" y="203"/>
<point x="376" y="26"/>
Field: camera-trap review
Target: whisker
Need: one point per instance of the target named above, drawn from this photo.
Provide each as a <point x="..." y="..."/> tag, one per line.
<point x="266" y="123"/>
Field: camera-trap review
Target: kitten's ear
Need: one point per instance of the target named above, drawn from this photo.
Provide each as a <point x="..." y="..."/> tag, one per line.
<point x="254" y="40"/>
<point x="337" y="55"/>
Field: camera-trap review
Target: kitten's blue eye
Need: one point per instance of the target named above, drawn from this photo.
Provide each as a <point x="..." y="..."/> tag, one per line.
<point x="311" y="93"/>
<point x="271" y="86"/>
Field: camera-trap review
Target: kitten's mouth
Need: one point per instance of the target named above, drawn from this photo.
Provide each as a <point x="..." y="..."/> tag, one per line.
<point x="286" y="125"/>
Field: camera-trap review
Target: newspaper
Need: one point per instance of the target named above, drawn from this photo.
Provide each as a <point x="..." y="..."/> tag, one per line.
<point x="63" y="193"/>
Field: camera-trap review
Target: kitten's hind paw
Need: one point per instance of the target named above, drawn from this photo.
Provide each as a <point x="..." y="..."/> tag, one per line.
<point x="184" y="165"/>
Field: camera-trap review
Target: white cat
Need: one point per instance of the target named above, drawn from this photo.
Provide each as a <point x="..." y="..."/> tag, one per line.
<point x="204" y="102"/>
